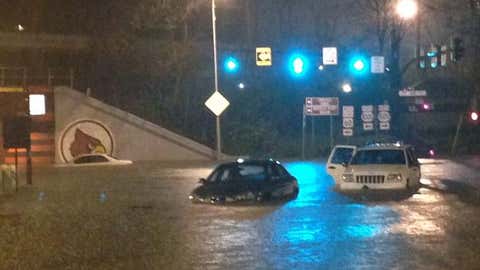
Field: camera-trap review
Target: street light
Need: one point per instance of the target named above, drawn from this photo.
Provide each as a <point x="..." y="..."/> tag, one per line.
<point x="231" y="65"/>
<point x="407" y="9"/>
<point x="346" y="88"/>
<point x="214" y="27"/>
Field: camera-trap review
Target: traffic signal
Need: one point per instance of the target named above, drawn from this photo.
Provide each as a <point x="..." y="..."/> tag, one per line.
<point x="231" y="64"/>
<point x="359" y="65"/>
<point x="435" y="56"/>
<point x="298" y="65"/>
<point x="458" y="49"/>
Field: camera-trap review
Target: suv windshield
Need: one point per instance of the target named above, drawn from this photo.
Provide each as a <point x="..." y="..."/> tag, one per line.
<point x="379" y="156"/>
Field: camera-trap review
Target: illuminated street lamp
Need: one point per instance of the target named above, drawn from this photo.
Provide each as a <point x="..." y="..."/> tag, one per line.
<point x="346" y="88"/>
<point x="407" y="9"/>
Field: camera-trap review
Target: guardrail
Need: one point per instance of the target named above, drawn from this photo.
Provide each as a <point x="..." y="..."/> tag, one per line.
<point x="23" y="77"/>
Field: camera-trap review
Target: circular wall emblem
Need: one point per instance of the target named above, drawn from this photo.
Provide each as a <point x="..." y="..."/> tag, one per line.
<point x="85" y="137"/>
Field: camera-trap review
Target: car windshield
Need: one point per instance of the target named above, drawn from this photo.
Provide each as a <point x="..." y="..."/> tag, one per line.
<point x="342" y="155"/>
<point x="238" y="172"/>
<point x="381" y="156"/>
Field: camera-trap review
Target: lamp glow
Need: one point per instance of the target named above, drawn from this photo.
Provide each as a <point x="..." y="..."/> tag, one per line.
<point x="407" y="9"/>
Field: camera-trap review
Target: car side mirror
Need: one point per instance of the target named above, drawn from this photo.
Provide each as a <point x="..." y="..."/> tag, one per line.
<point x="344" y="164"/>
<point x="202" y="181"/>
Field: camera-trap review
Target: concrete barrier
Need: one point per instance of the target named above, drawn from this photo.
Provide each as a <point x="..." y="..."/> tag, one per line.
<point x="84" y="124"/>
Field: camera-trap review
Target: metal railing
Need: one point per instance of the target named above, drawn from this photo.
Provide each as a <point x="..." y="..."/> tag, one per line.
<point x="23" y="77"/>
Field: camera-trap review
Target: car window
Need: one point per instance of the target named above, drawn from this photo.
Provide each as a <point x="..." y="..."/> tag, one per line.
<point x="225" y="175"/>
<point x="342" y="155"/>
<point x="272" y="171"/>
<point x="213" y="177"/>
<point x="412" y="159"/>
<point x="82" y="160"/>
<point x="382" y="156"/>
<point x="98" y="159"/>
<point x="253" y="172"/>
<point x="281" y="171"/>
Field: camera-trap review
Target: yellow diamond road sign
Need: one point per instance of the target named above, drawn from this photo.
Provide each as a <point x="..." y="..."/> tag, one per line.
<point x="264" y="56"/>
<point x="217" y="103"/>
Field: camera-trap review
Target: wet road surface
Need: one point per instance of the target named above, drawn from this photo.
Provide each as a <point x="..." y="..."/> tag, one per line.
<point x="139" y="217"/>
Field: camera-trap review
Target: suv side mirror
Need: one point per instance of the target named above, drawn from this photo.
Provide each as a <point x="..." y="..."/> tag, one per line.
<point x="344" y="164"/>
<point x="202" y="181"/>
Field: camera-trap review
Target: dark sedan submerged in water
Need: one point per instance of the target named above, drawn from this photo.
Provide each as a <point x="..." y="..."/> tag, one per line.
<point x="246" y="180"/>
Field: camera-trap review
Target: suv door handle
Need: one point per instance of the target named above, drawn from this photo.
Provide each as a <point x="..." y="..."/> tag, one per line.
<point x="332" y="167"/>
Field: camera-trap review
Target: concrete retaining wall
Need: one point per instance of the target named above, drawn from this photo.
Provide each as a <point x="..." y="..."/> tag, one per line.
<point x="84" y="124"/>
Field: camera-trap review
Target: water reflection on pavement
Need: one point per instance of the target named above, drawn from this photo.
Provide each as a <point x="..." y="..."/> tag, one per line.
<point x="140" y="218"/>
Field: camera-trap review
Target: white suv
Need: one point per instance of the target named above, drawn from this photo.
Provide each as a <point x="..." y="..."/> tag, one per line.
<point x="376" y="166"/>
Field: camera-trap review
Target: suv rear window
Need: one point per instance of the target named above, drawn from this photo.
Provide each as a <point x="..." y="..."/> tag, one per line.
<point x="379" y="156"/>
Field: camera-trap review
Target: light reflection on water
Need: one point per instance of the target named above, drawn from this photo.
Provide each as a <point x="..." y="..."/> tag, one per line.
<point x="320" y="229"/>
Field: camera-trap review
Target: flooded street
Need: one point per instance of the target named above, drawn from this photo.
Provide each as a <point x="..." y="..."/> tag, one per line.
<point x="139" y="217"/>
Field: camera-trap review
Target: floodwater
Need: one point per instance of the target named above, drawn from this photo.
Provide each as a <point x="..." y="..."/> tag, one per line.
<point x="139" y="217"/>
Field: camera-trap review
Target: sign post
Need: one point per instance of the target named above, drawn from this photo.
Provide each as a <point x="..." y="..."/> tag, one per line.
<point x="217" y="103"/>
<point x="321" y="106"/>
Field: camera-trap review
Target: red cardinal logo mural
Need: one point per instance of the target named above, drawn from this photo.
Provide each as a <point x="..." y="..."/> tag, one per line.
<point x="86" y="144"/>
<point x="85" y="137"/>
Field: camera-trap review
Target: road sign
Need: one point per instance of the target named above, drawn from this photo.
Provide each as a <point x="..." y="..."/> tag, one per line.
<point x="378" y="64"/>
<point x="348" y="111"/>
<point x="384" y="116"/>
<point x="330" y="56"/>
<point x="412" y="93"/>
<point x="347" y="132"/>
<point x="217" y="103"/>
<point x="367" y="108"/>
<point x="348" y="122"/>
<point x="317" y="106"/>
<point x="368" y="126"/>
<point x="264" y="56"/>
<point x="367" y="116"/>
<point x="383" y="108"/>
<point x="384" y="125"/>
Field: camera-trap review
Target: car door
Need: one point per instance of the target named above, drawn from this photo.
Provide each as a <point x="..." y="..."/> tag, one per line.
<point x="414" y="173"/>
<point x="277" y="182"/>
<point x="339" y="156"/>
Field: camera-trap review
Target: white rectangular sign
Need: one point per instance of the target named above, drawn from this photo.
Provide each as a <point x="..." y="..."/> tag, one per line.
<point x="347" y="132"/>
<point x="412" y="93"/>
<point x="378" y="64"/>
<point x="384" y="125"/>
<point x="317" y="106"/>
<point x="368" y="126"/>
<point x="383" y="108"/>
<point x="330" y="56"/>
<point x="348" y="111"/>
<point x="367" y="108"/>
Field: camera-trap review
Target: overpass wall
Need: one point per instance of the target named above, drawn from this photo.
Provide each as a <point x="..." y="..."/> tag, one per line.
<point x="84" y="124"/>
